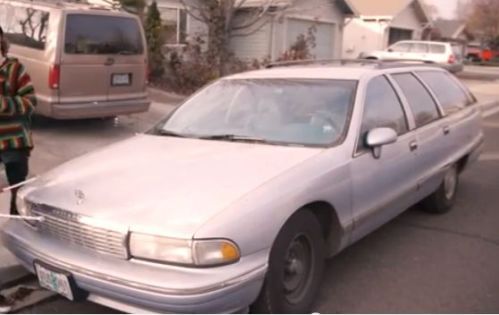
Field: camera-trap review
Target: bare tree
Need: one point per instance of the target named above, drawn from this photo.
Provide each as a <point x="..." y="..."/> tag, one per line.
<point x="483" y="20"/>
<point x="226" y="19"/>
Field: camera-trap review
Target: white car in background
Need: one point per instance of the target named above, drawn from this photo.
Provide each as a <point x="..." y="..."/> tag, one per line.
<point x="448" y="55"/>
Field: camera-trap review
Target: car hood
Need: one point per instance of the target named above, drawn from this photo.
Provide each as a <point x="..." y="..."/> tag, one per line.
<point x="163" y="185"/>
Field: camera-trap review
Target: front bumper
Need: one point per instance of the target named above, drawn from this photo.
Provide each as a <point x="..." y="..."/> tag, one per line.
<point x="137" y="286"/>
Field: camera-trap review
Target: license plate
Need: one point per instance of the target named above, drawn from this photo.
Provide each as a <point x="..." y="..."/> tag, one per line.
<point x="121" y="79"/>
<point x="56" y="281"/>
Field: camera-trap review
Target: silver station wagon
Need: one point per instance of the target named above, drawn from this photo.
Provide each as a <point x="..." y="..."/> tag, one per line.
<point x="234" y="201"/>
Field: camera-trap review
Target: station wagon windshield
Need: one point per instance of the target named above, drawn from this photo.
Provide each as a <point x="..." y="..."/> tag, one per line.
<point x="278" y="111"/>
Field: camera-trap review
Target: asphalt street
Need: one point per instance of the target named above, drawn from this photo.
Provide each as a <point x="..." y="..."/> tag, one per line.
<point x="417" y="263"/>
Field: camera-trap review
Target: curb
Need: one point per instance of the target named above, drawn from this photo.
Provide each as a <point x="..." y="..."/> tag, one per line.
<point x="485" y="106"/>
<point x="14" y="275"/>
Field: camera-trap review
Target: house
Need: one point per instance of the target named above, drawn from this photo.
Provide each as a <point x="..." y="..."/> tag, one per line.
<point x="383" y="22"/>
<point x="450" y="30"/>
<point x="275" y="31"/>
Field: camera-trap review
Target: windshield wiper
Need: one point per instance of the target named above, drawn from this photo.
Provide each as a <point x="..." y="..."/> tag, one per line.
<point x="231" y="137"/>
<point x="169" y="133"/>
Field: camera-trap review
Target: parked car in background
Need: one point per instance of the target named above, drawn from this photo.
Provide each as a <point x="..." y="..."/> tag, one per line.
<point x="240" y="194"/>
<point x="448" y="55"/>
<point x="478" y="53"/>
<point x="85" y="61"/>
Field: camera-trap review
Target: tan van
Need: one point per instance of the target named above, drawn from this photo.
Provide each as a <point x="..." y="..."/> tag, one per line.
<point x="85" y="61"/>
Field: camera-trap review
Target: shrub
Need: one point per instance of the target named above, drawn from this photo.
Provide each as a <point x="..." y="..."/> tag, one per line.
<point x="190" y="68"/>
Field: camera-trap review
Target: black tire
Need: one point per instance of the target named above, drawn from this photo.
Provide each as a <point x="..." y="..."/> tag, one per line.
<point x="442" y="200"/>
<point x="296" y="265"/>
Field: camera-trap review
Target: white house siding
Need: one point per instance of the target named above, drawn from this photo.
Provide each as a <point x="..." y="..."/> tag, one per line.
<point x="361" y="36"/>
<point x="409" y="20"/>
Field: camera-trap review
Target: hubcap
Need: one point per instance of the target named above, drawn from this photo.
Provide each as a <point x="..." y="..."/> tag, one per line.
<point x="298" y="269"/>
<point x="450" y="183"/>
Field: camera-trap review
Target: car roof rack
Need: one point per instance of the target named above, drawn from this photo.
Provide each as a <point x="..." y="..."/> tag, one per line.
<point x="381" y="64"/>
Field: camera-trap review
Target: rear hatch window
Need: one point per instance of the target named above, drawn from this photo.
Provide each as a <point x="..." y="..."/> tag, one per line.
<point x="102" y="35"/>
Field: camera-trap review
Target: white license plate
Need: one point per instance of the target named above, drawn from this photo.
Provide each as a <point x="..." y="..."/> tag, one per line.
<point x="121" y="79"/>
<point x="54" y="281"/>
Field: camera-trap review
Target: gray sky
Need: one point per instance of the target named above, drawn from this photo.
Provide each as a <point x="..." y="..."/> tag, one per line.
<point x="446" y="8"/>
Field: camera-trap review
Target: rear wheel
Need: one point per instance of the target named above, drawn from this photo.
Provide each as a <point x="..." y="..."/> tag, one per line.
<point x="442" y="200"/>
<point x="296" y="265"/>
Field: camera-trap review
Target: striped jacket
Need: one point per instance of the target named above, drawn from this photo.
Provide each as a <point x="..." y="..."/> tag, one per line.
<point x="17" y="103"/>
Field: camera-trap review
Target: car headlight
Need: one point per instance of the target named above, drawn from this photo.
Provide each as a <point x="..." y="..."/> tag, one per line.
<point x="202" y="253"/>
<point x="22" y="205"/>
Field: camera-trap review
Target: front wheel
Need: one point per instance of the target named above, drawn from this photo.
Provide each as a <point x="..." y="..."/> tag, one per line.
<point x="295" y="269"/>
<point x="442" y="200"/>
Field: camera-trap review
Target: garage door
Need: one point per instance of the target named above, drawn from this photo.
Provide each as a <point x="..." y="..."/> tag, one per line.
<point x="324" y="36"/>
<point x="398" y="34"/>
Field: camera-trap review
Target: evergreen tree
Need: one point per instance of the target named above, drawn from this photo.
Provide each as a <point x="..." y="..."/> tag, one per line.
<point x="155" y="41"/>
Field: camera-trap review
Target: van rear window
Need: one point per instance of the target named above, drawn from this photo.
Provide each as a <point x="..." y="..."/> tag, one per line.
<point x="24" y="26"/>
<point x="100" y="34"/>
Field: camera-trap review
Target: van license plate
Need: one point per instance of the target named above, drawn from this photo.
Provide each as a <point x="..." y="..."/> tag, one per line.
<point x="54" y="281"/>
<point x="121" y="79"/>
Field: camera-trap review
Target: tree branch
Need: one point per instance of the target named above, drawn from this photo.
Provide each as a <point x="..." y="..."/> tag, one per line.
<point x="253" y="31"/>
<point x="190" y="8"/>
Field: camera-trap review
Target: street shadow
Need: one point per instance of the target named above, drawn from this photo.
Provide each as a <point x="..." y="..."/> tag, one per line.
<point x="78" y="125"/>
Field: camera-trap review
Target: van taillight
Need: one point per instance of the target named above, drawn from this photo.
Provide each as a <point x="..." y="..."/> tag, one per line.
<point x="452" y="59"/>
<point x="54" y="77"/>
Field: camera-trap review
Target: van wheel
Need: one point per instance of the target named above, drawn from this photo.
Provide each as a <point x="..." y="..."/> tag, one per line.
<point x="442" y="200"/>
<point x="296" y="265"/>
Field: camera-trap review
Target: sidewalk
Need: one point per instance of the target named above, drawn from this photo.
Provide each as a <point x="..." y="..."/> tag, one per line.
<point x="10" y="270"/>
<point x="487" y="92"/>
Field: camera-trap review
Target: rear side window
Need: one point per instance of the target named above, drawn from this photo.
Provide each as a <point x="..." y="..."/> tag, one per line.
<point x="102" y="34"/>
<point x="437" y="49"/>
<point x="24" y="26"/>
<point x="423" y="107"/>
<point x="419" y="48"/>
<point x="382" y="108"/>
<point x="450" y="95"/>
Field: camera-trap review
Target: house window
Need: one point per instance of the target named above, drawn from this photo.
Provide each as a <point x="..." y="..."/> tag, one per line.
<point x="175" y="24"/>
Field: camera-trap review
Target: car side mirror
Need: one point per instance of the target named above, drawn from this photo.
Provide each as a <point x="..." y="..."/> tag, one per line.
<point x="390" y="50"/>
<point x="378" y="137"/>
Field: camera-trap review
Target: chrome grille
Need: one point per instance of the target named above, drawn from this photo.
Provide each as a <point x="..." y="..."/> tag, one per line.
<point x="69" y="227"/>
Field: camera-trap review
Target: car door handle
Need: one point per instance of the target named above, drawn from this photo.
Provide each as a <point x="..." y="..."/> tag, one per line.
<point x="109" y="61"/>
<point x="446" y="130"/>
<point x="413" y="145"/>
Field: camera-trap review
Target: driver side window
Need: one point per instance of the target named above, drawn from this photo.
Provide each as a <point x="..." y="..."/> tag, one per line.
<point x="382" y="109"/>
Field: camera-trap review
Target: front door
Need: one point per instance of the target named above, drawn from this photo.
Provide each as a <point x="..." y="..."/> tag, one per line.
<point x="382" y="187"/>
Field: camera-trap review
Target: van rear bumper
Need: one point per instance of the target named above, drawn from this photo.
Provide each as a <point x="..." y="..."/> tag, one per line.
<point x="99" y="109"/>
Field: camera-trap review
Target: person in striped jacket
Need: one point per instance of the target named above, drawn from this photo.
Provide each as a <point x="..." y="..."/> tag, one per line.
<point x="17" y="104"/>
